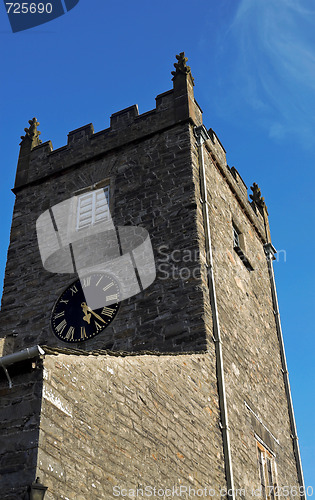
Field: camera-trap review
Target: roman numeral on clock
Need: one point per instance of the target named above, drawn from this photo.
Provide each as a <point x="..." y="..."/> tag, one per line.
<point x="99" y="280"/>
<point x="86" y="281"/>
<point x="98" y="326"/>
<point x="60" y="328"/>
<point x="59" y="315"/>
<point x="70" y="333"/>
<point x="107" y="311"/>
<point x="108" y="286"/>
<point x="112" y="297"/>
<point x="73" y="289"/>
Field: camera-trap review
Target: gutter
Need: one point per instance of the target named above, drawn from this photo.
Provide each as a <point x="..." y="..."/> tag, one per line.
<point x="16" y="357"/>
<point x="270" y="255"/>
<point x="202" y="135"/>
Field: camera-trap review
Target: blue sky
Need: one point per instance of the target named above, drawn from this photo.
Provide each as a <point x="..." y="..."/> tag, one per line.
<point x="254" y="68"/>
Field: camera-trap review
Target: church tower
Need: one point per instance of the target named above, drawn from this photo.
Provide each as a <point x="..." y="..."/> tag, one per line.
<point x="142" y="352"/>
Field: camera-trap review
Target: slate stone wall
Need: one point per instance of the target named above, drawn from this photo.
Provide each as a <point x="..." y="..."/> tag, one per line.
<point x="151" y="186"/>
<point x="128" y="422"/>
<point x="251" y="354"/>
<point x="20" y="411"/>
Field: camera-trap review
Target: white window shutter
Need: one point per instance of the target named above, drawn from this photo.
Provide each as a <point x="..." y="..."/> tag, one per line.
<point x="93" y="207"/>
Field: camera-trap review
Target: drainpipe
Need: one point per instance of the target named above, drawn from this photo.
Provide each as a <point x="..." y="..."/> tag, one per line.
<point x="270" y="255"/>
<point x="16" y="357"/>
<point x="201" y="135"/>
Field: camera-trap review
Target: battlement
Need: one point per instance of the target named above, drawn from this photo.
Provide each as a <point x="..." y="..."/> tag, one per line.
<point x="255" y="210"/>
<point x="126" y="126"/>
<point x="38" y="161"/>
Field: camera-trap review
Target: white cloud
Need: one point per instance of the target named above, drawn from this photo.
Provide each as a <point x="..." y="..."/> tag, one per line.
<point x="273" y="66"/>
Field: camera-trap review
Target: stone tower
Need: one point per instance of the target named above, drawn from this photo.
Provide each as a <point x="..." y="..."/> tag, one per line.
<point x="175" y="383"/>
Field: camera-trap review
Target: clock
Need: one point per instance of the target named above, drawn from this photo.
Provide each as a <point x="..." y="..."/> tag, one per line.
<point x="72" y="320"/>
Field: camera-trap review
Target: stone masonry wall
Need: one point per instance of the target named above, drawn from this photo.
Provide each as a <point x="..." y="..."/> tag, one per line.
<point x="151" y="186"/>
<point x="136" y="421"/>
<point x="251" y="352"/>
<point x="19" y="429"/>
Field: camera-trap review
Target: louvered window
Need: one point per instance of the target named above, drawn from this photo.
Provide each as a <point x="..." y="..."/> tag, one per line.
<point x="240" y="247"/>
<point x="267" y="473"/>
<point x="261" y="460"/>
<point x="270" y="478"/>
<point x="93" y="207"/>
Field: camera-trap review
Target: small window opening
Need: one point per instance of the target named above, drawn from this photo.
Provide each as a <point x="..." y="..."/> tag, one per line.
<point x="267" y="472"/>
<point x="93" y="207"/>
<point x="239" y="246"/>
<point x="236" y="239"/>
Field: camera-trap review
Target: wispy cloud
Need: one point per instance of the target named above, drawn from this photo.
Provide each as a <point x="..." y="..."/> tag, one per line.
<point x="274" y="64"/>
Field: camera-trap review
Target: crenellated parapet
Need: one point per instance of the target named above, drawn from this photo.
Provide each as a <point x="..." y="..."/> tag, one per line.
<point x="38" y="161"/>
<point x="127" y="125"/>
<point x="257" y="216"/>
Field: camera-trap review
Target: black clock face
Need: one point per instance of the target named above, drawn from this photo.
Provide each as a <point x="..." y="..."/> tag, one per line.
<point x="72" y="320"/>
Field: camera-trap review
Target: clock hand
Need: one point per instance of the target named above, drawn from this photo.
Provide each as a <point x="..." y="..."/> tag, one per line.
<point x="87" y="314"/>
<point x="97" y="316"/>
<point x="88" y="311"/>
